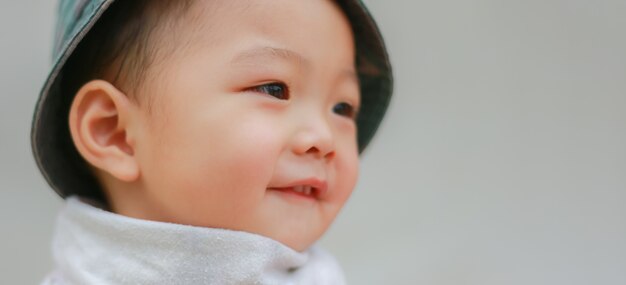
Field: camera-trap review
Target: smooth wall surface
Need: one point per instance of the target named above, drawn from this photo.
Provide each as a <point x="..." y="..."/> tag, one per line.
<point x="502" y="160"/>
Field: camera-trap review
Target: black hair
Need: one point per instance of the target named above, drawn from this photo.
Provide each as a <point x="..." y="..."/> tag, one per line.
<point x="120" y="48"/>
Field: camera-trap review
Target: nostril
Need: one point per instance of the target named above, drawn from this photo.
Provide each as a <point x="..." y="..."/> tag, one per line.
<point x="330" y="155"/>
<point x="308" y="141"/>
<point x="313" y="149"/>
<point x="316" y="151"/>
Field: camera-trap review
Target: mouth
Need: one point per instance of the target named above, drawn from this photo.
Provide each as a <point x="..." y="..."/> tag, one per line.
<point x="305" y="191"/>
<point x="312" y="189"/>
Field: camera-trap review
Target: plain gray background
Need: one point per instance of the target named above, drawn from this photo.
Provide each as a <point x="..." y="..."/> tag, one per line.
<point x="502" y="159"/>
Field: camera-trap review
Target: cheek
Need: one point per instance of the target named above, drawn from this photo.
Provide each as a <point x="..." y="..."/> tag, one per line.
<point x="346" y="172"/>
<point x="246" y="151"/>
<point x="215" y="155"/>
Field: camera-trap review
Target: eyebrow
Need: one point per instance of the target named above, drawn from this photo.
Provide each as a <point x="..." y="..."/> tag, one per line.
<point x="268" y="53"/>
<point x="258" y="55"/>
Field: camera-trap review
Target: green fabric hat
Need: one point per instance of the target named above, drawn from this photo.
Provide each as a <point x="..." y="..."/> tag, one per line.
<point x="54" y="150"/>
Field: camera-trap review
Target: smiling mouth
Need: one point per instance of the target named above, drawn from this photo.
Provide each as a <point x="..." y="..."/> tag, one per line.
<point x="305" y="191"/>
<point x="311" y="189"/>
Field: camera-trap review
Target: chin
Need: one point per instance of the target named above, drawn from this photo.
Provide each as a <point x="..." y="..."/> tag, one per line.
<point x="297" y="244"/>
<point x="299" y="240"/>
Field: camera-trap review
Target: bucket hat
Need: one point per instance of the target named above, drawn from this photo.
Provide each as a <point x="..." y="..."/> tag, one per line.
<point x="66" y="171"/>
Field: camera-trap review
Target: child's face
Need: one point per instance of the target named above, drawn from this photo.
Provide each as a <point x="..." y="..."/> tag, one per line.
<point x="259" y="99"/>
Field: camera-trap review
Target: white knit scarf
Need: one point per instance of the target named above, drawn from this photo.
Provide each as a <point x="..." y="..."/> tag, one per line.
<point x="93" y="246"/>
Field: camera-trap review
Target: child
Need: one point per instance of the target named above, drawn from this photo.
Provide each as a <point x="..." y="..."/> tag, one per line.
<point x="206" y="142"/>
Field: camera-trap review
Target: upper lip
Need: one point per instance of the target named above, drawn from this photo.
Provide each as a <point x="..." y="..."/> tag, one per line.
<point x="319" y="185"/>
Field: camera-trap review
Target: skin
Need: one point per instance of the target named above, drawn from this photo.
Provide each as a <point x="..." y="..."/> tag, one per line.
<point x="220" y="136"/>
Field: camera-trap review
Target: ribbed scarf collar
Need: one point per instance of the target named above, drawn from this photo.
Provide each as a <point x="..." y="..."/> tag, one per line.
<point x="94" y="246"/>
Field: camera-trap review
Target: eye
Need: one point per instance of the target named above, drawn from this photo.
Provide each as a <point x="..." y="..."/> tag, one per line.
<point x="345" y="109"/>
<point x="275" y="89"/>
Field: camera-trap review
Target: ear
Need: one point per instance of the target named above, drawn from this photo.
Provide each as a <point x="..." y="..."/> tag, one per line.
<point x="101" y="121"/>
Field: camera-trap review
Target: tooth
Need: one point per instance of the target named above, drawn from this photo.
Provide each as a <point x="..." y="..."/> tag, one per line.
<point x="307" y="190"/>
<point x="298" y="188"/>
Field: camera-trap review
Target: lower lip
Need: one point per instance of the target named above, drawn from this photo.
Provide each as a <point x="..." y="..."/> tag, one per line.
<point x="293" y="194"/>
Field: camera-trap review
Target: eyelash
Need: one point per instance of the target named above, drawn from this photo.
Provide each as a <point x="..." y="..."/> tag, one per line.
<point x="268" y="88"/>
<point x="343" y="108"/>
<point x="346" y="108"/>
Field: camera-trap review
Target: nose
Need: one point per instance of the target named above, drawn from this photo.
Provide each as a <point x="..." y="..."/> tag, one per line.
<point x="314" y="136"/>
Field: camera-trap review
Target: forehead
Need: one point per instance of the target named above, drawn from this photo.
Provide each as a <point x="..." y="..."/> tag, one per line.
<point x="297" y="29"/>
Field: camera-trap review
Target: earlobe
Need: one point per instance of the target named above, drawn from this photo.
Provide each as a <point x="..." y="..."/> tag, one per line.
<point x="101" y="125"/>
